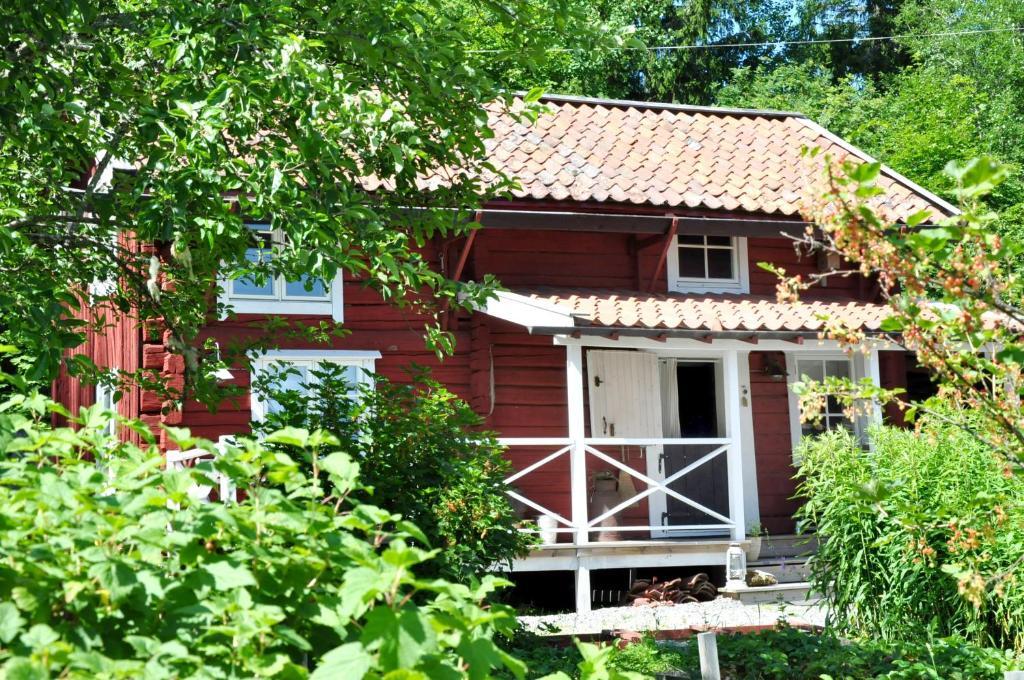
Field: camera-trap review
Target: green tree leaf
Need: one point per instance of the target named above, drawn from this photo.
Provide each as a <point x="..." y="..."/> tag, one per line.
<point x="11" y="622"/>
<point x="227" y="576"/>
<point x="346" y="661"/>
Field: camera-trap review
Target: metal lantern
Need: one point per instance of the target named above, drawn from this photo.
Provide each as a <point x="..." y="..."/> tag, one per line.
<point x="735" y="567"/>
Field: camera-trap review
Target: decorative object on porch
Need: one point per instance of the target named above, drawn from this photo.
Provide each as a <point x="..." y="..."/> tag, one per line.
<point x="547" y="526"/>
<point x="651" y="592"/>
<point x="735" y="567"/>
<point x="757" y="579"/>
<point x="754" y="534"/>
<point x="627" y="489"/>
<point x="604" y="497"/>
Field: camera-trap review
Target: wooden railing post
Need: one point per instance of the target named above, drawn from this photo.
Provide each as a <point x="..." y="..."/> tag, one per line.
<point x="578" y="465"/>
<point x="731" y="378"/>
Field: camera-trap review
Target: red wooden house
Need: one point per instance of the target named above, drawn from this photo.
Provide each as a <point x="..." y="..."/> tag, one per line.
<point x="638" y="345"/>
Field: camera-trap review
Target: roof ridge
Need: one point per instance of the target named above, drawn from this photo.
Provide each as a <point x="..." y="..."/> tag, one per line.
<point x="897" y="177"/>
<point x="665" y="106"/>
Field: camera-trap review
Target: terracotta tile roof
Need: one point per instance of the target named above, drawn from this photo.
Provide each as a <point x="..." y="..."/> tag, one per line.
<point x="666" y="155"/>
<point x="712" y="313"/>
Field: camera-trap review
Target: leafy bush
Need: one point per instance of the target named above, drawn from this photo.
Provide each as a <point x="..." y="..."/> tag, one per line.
<point x="907" y="526"/>
<point x="110" y="569"/>
<point x="421" y="454"/>
<point x="790" y="654"/>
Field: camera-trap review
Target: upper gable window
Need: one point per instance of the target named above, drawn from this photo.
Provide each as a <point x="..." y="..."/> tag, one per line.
<point x="278" y="295"/>
<point x="708" y="264"/>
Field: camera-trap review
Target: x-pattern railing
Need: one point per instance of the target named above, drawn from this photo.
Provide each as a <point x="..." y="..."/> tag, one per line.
<point x="588" y="446"/>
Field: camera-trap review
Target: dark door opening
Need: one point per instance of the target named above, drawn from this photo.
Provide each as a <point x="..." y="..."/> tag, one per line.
<point x="708" y="485"/>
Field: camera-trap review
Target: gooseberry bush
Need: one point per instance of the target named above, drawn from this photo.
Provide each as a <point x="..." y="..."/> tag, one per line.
<point x="111" y="567"/>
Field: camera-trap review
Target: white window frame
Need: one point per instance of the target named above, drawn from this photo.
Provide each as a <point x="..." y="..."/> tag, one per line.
<point x="861" y="366"/>
<point x="363" y="359"/>
<point x="739" y="283"/>
<point x="331" y="304"/>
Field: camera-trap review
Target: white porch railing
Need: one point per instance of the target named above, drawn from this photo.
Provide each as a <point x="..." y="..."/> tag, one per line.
<point x="580" y="525"/>
<point x="179" y="460"/>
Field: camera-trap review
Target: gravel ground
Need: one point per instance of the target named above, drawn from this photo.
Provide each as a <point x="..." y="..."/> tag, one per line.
<point x="722" y="612"/>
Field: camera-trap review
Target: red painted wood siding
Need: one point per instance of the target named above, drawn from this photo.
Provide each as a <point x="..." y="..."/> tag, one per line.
<point x="527" y="372"/>
<point x="527" y="258"/>
<point x="773" y="447"/>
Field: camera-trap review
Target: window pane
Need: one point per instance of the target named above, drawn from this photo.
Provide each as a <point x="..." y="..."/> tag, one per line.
<point x="691" y="240"/>
<point x="691" y="263"/>
<point x="833" y="406"/>
<point x="812" y="369"/>
<point x="298" y="288"/>
<point x="838" y="369"/>
<point x="292" y="382"/>
<point x="261" y="252"/>
<point x="249" y="285"/>
<point x="813" y="428"/>
<point x="835" y="423"/>
<point x="719" y="264"/>
<point x="719" y="241"/>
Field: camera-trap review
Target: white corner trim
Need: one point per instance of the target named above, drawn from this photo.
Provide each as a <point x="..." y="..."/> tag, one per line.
<point x="886" y="170"/>
<point x="527" y="311"/>
<point x="751" y="502"/>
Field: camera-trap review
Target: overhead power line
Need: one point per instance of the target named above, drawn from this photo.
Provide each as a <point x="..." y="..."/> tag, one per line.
<point x="781" y="43"/>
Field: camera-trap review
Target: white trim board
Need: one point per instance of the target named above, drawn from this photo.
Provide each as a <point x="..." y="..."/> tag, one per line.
<point x="528" y="312"/>
<point x="691" y="345"/>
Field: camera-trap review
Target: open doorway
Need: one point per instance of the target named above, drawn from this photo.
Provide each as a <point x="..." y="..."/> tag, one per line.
<point x="693" y="405"/>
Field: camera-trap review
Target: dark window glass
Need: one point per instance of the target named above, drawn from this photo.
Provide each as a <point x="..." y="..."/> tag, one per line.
<point x="719" y="241"/>
<point x="691" y="263"/>
<point x="692" y="240"/>
<point x="719" y="264"/>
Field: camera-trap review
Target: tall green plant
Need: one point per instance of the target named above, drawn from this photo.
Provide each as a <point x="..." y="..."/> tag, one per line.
<point x="422" y="454"/>
<point x="109" y="568"/>
<point x="894" y="519"/>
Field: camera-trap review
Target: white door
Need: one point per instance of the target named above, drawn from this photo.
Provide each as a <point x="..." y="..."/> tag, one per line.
<point x="625" y="401"/>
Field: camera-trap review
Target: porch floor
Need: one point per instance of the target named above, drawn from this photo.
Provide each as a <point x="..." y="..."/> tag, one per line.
<point x="665" y="552"/>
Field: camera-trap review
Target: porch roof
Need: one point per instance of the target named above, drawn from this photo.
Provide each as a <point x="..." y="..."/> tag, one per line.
<point x="561" y="310"/>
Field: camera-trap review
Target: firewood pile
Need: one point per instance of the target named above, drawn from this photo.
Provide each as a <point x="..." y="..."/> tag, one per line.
<point x="651" y="593"/>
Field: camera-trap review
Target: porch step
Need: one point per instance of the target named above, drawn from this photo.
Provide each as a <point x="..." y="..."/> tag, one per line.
<point x="787" y="546"/>
<point x="784" y="571"/>
<point x="799" y="592"/>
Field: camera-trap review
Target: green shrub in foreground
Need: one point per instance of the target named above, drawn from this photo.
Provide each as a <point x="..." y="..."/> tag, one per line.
<point x="109" y="569"/>
<point x="908" y="526"/>
<point x="789" y="654"/>
<point x="421" y="453"/>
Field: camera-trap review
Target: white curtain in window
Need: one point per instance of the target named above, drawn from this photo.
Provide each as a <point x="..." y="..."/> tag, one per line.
<point x="669" y="399"/>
